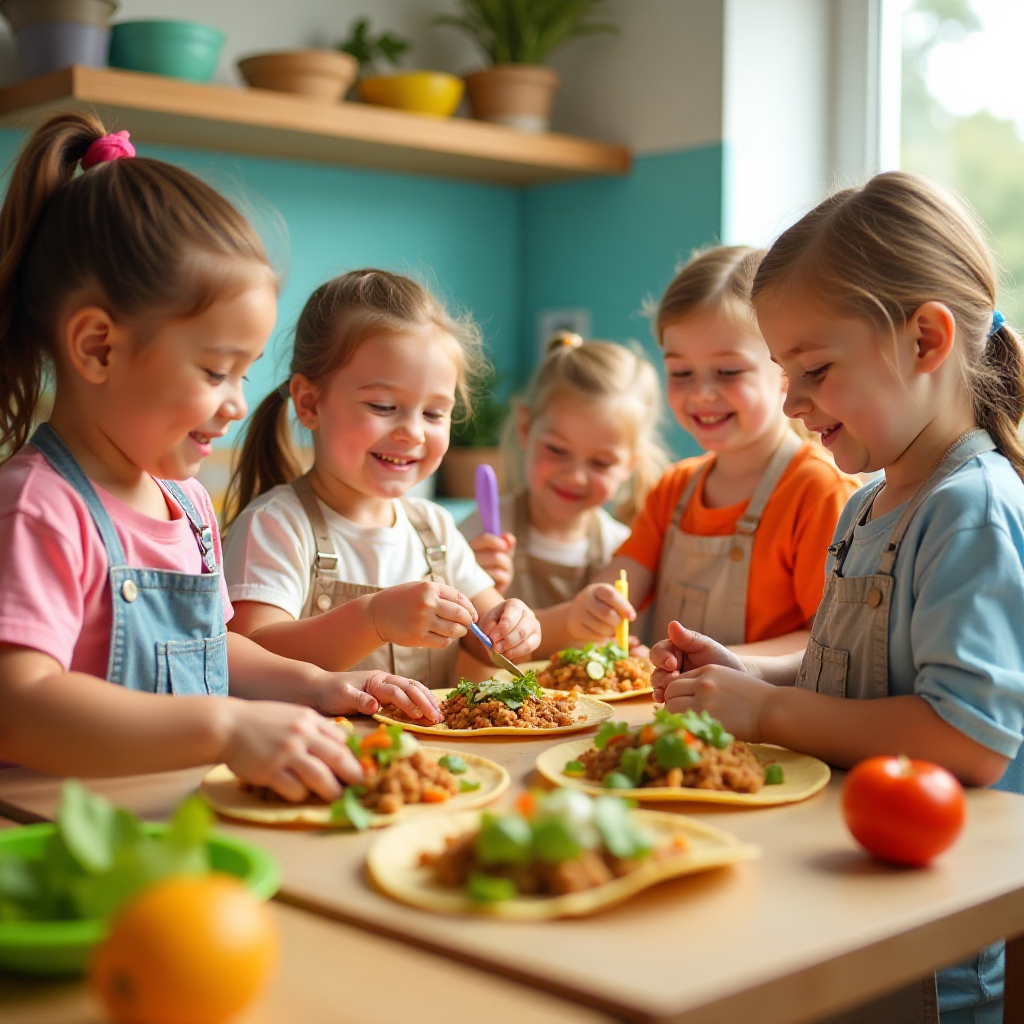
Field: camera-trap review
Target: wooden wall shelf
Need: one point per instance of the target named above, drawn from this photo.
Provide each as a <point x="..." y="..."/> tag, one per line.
<point x="158" y="109"/>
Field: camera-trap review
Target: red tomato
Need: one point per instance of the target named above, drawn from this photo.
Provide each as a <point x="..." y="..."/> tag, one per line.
<point x="903" y="811"/>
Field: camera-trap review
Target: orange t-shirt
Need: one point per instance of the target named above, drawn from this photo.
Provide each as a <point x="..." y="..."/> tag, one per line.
<point x="787" y="566"/>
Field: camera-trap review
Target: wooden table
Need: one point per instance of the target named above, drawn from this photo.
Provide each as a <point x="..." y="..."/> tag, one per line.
<point x="811" y="928"/>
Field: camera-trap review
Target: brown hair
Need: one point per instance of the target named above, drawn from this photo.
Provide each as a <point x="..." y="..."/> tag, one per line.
<point x="603" y="370"/>
<point x="878" y="252"/>
<point x="337" y="318"/>
<point x="716" y="278"/>
<point x="152" y="237"/>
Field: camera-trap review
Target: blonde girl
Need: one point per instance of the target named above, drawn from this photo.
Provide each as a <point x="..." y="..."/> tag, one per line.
<point x="143" y="296"/>
<point x="731" y="543"/>
<point x="880" y="307"/>
<point x="584" y="435"/>
<point x="338" y="566"/>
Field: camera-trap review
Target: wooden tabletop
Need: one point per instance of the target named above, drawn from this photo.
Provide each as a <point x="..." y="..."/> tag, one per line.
<point x="811" y="928"/>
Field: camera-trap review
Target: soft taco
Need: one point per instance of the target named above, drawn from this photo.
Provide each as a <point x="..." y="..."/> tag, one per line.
<point x="401" y="777"/>
<point x="602" y="671"/>
<point x="557" y="854"/>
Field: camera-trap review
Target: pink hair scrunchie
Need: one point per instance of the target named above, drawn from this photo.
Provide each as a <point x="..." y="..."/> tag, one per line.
<point x="110" y="147"/>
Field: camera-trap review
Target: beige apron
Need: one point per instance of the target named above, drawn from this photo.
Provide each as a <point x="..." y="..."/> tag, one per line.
<point x="848" y="656"/>
<point x="434" y="667"/>
<point x="703" y="581"/>
<point x="539" y="583"/>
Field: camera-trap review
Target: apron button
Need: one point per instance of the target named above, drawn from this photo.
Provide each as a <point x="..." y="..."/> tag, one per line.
<point x="874" y="598"/>
<point x="129" y="591"/>
<point x="736" y="554"/>
<point x="323" y="602"/>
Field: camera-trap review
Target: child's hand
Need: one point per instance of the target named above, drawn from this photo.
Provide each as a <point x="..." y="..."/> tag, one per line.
<point x="596" y="612"/>
<point x="291" y="749"/>
<point x="421" y="614"/>
<point x="735" y="698"/>
<point x="637" y="649"/>
<point x="685" y="650"/>
<point x="495" y="555"/>
<point x="513" y="629"/>
<point x="346" y="693"/>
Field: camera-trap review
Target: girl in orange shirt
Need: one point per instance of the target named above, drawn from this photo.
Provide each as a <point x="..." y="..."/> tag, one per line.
<point x="731" y="543"/>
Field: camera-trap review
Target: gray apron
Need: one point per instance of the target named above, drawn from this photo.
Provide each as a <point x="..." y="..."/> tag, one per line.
<point x="703" y="581"/>
<point x="539" y="583"/>
<point x="848" y="656"/>
<point x="434" y="667"/>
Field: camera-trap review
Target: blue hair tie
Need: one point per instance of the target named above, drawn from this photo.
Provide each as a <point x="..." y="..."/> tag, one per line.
<point x="997" y="321"/>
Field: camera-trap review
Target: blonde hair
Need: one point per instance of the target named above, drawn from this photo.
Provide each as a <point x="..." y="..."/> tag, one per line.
<point x="717" y="279"/>
<point x="338" y="317"/>
<point x="596" y="370"/>
<point x="879" y="252"/>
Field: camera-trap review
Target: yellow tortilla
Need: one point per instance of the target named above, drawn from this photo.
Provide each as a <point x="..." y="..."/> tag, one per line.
<point x="393" y="864"/>
<point x="589" y="711"/>
<point x="803" y="776"/>
<point x="606" y="696"/>
<point x="224" y="792"/>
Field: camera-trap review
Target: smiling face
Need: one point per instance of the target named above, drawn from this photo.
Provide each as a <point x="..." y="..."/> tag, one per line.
<point x="169" y="395"/>
<point x="722" y="385"/>
<point x="382" y="422"/>
<point x="579" y="452"/>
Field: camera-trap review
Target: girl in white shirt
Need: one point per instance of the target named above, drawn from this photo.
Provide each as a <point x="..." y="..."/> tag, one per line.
<point x="337" y="566"/>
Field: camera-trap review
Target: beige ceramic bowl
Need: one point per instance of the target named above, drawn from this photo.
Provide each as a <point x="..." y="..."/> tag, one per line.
<point x="323" y="75"/>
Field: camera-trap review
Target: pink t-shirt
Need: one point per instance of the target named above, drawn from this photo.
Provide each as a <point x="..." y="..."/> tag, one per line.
<point x="54" y="588"/>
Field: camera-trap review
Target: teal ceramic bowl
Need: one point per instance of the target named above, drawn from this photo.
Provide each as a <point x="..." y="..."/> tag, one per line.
<point x="62" y="948"/>
<point x="180" y="49"/>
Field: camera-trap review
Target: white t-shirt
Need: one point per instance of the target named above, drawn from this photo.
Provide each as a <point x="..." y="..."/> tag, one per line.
<point x="559" y="552"/>
<point x="269" y="551"/>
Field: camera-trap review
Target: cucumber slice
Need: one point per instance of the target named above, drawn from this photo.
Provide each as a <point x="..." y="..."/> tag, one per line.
<point x="596" y="670"/>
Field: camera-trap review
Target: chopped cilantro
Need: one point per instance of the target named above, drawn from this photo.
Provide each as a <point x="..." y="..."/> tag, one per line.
<point x="608" y="731"/>
<point x="513" y="692"/>
<point x="620" y="834"/>
<point x="554" y="841"/>
<point x="773" y="775"/>
<point x="672" y="752"/>
<point x="699" y="724"/>
<point x="633" y="762"/>
<point x="350" y="811"/>
<point x="483" y="888"/>
<point x="454" y="763"/>
<point x="504" y="839"/>
<point x="576" y="769"/>
<point x="606" y="655"/>
<point x="468" y="785"/>
<point x="616" y="780"/>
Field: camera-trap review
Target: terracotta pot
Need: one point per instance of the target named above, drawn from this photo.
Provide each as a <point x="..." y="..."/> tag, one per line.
<point x="323" y="75"/>
<point x="458" y="469"/>
<point x="519" y="95"/>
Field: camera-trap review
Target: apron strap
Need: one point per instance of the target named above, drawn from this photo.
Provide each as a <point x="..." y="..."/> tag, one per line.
<point x="325" y="561"/>
<point x="959" y="453"/>
<point x="688" y="490"/>
<point x="841" y="548"/>
<point x="436" y="552"/>
<point x="202" y="533"/>
<point x="779" y="463"/>
<point x="46" y="440"/>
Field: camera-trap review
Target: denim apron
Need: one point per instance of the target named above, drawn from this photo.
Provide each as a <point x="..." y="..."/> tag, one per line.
<point x="167" y="629"/>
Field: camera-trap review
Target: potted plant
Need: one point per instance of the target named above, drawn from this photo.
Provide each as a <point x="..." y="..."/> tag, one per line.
<point x="517" y="36"/>
<point x="475" y="439"/>
<point x="53" y="34"/>
<point x="425" y="92"/>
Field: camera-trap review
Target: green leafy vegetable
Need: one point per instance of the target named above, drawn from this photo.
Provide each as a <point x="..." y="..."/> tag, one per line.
<point x="384" y="757"/>
<point x="504" y="839"/>
<point x="576" y="768"/>
<point x="773" y="775"/>
<point x="554" y="841"/>
<point x="605" y="656"/>
<point x="483" y="888"/>
<point x="619" y="833"/>
<point x="633" y="762"/>
<point x="670" y="751"/>
<point x="454" y="763"/>
<point x="468" y="785"/>
<point x="513" y="692"/>
<point x="349" y="809"/>
<point x="608" y="731"/>
<point x="616" y="780"/>
<point x="700" y="725"/>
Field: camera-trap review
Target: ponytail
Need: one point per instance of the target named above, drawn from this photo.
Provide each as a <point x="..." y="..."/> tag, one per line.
<point x="268" y="457"/>
<point x="47" y="162"/>
<point x="997" y="388"/>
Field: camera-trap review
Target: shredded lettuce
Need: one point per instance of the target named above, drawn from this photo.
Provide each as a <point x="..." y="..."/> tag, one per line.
<point x="606" y="655"/>
<point x="513" y="693"/>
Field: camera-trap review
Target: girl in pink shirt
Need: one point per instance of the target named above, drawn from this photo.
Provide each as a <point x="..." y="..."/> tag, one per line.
<point x="144" y="296"/>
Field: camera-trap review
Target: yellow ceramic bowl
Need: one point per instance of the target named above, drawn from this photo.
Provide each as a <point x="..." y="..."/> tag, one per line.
<point x="425" y="92"/>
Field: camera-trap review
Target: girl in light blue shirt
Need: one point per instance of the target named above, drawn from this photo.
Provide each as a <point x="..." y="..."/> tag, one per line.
<point x="880" y="307"/>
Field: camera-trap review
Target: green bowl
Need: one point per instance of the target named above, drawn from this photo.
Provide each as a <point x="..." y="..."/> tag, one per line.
<point x="180" y="49"/>
<point x="62" y="948"/>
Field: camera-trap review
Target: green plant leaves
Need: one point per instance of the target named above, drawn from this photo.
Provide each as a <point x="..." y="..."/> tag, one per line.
<point x="349" y="810"/>
<point x="367" y="48"/>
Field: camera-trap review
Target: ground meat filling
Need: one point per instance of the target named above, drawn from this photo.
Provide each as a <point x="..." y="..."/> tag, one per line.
<point x="388" y="789"/>
<point x="734" y="769"/>
<point x="622" y="677"/>
<point x="454" y="864"/>
<point x="536" y="713"/>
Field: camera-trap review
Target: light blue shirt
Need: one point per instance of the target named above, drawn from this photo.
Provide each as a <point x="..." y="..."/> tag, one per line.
<point x="956" y="639"/>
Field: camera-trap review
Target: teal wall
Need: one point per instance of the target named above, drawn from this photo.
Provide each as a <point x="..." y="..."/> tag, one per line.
<point x="502" y="253"/>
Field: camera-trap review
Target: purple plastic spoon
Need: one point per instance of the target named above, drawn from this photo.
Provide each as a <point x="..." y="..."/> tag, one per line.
<point x="487" y="498"/>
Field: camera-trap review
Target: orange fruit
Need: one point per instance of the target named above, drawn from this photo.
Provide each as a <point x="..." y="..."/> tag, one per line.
<point x="189" y="950"/>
